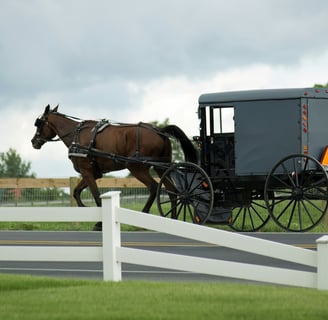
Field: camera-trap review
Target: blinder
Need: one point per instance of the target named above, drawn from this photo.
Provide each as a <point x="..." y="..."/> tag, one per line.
<point x="38" y="123"/>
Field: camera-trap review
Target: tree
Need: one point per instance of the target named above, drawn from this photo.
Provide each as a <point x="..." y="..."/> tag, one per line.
<point x="317" y="85"/>
<point x="163" y="124"/>
<point x="12" y="165"/>
<point x="177" y="153"/>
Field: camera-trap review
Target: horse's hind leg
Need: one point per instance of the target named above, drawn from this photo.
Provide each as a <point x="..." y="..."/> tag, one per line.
<point x="169" y="187"/>
<point x="142" y="174"/>
<point x="152" y="195"/>
<point x="77" y="192"/>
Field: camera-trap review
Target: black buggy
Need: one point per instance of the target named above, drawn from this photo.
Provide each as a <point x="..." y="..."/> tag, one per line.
<point x="262" y="155"/>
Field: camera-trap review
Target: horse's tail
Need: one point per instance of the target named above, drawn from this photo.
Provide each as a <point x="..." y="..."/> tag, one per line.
<point x="189" y="150"/>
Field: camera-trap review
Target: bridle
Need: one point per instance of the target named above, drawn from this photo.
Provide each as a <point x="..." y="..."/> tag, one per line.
<point x="41" y="121"/>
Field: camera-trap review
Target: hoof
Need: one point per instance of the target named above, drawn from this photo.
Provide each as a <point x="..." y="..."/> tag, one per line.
<point x="97" y="227"/>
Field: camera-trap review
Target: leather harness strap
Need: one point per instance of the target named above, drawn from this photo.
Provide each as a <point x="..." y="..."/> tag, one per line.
<point x="75" y="149"/>
<point x="91" y="152"/>
<point x="137" y="141"/>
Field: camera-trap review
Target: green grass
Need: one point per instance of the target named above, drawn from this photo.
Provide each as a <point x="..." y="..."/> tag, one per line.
<point x="27" y="297"/>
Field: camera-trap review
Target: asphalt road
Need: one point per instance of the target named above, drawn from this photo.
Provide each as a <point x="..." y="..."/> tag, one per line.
<point x="143" y="240"/>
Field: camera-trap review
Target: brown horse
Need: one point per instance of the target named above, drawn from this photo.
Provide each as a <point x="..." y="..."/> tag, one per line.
<point x="97" y="147"/>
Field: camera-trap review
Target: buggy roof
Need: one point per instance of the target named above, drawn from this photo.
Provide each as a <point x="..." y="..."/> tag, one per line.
<point x="265" y="94"/>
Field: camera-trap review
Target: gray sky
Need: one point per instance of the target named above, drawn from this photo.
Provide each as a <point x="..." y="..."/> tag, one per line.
<point x="146" y="60"/>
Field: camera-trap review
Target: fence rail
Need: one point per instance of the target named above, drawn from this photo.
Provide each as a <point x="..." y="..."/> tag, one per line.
<point x="22" y="183"/>
<point x="12" y="189"/>
<point x="113" y="255"/>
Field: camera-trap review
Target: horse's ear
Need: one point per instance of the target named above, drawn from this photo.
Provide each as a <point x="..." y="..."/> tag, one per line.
<point x="56" y="108"/>
<point x="47" y="109"/>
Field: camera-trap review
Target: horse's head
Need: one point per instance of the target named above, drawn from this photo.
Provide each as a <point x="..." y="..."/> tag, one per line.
<point x="44" y="131"/>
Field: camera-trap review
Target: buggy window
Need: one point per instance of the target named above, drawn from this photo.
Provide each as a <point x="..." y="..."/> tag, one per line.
<point x="222" y="120"/>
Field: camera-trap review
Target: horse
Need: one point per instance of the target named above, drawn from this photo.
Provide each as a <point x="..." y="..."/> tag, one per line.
<point x="99" y="147"/>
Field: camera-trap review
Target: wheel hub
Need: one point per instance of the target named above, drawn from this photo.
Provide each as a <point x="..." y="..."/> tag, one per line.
<point x="297" y="193"/>
<point x="185" y="198"/>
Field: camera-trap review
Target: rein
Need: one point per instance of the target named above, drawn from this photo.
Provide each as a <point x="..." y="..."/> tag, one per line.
<point x="68" y="133"/>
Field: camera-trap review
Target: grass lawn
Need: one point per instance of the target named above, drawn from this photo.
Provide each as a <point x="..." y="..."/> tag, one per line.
<point x="28" y="297"/>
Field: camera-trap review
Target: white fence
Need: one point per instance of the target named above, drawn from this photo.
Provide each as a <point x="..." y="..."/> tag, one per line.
<point x="113" y="255"/>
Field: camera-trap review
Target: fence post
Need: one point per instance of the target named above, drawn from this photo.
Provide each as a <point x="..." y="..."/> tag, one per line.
<point x="322" y="252"/>
<point x="73" y="181"/>
<point x="111" y="236"/>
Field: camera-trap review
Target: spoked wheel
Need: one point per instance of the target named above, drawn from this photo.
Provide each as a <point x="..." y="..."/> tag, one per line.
<point x="251" y="216"/>
<point x="300" y="187"/>
<point x="185" y="192"/>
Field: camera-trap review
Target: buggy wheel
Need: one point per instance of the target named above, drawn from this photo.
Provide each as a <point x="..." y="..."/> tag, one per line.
<point x="185" y="192"/>
<point x="299" y="185"/>
<point x="250" y="217"/>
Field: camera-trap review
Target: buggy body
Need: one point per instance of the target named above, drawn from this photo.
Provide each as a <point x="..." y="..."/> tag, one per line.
<point x="249" y="131"/>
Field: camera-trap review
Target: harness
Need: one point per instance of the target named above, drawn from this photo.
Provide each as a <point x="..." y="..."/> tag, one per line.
<point x="81" y="151"/>
<point x="100" y="126"/>
<point x="76" y="149"/>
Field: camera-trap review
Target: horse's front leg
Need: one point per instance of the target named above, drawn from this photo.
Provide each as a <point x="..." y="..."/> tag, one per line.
<point x="141" y="172"/>
<point x="90" y="181"/>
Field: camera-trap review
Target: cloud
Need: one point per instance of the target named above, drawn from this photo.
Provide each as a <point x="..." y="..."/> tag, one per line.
<point x="68" y="45"/>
